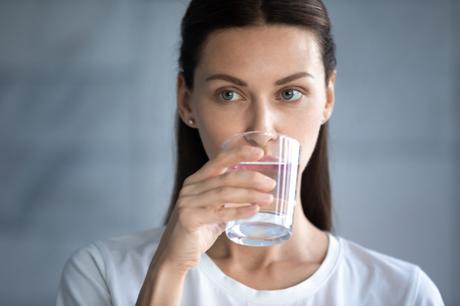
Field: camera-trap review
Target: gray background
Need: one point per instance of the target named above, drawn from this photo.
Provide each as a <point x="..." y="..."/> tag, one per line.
<point x="87" y="98"/>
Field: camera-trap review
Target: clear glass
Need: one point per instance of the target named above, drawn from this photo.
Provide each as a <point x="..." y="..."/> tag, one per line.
<point x="272" y="224"/>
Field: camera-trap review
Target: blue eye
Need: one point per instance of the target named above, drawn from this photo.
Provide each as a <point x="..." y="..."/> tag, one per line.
<point x="228" y="95"/>
<point x="288" y="94"/>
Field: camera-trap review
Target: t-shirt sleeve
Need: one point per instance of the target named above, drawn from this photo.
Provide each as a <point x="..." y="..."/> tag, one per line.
<point x="83" y="279"/>
<point x="426" y="293"/>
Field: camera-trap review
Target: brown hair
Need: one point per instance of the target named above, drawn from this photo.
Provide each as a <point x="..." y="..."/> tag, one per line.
<point x="204" y="16"/>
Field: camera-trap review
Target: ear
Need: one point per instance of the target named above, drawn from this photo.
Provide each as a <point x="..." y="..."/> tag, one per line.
<point x="330" y="97"/>
<point x="184" y="106"/>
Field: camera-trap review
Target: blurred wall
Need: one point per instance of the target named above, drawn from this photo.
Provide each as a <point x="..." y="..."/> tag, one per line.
<point x="395" y="133"/>
<point x="455" y="12"/>
<point x="87" y="101"/>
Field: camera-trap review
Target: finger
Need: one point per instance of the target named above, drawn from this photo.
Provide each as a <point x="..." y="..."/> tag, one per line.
<point x="242" y="178"/>
<point x="219" y="215"/>
<point x="223" y="160"/>
<point x="221" y="195"/>
<point x="194" y="217"/>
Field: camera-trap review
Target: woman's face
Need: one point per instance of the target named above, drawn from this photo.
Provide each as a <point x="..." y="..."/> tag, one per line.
<point x="264" y="78"/>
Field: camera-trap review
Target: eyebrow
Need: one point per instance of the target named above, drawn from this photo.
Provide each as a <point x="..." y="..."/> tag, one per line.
<point x="239" y="82"/>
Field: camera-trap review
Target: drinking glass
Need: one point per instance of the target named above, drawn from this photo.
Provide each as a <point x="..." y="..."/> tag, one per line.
<point x="271" y="224"/>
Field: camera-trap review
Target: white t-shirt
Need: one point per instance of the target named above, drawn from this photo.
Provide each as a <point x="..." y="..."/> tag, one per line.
<point x="111" y="272"/>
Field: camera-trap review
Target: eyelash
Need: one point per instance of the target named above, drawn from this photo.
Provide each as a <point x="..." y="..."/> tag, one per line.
<point x="219" y="92"/>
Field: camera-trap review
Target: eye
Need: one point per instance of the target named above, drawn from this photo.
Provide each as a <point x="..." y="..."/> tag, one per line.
<point x="229" y="95"/>
<point x="291" y="94"/>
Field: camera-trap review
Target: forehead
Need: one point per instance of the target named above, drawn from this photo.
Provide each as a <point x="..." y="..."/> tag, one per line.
<point x="265" y="48"/>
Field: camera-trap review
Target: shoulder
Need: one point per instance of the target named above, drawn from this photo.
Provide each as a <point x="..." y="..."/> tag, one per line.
<point x="426" y="292"/>
<point x="138" y="243"/>
<point x="387" y="274"/>
<point x="92" y="268"/>
<point x="370" y="262"/>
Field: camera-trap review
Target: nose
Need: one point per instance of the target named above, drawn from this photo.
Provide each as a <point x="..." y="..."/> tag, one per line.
<point x="262" y="118"/>
<point x="259" y="139"/>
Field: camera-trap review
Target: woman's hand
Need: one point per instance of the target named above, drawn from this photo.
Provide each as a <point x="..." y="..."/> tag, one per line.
<point x="200" y="213"/>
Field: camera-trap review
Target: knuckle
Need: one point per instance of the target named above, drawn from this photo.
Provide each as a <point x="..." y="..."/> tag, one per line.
<point x="227" y="178"/>
<point x="220" y="191"/>
<point x="225" y="193"/>
<point x="187" y="180"/>
<point x="184" y="191"/>
<point x="181" y="202"/>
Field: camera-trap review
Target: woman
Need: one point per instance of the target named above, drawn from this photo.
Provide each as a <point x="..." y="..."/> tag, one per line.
<point x="246" y="65"/>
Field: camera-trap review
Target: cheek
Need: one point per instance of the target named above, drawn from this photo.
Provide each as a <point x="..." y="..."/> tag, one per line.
<point x="210" y="141"/>
<point x="307" y="151"/>
<point x="307" y="135"/>
<point x="213" y="133"/>
<point x="208" y="129"/>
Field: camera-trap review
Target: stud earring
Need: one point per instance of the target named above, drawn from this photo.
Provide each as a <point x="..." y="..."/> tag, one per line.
<point x="191" y="121"/>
